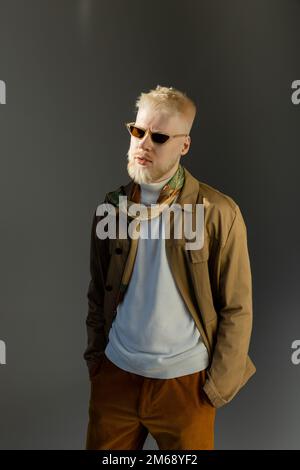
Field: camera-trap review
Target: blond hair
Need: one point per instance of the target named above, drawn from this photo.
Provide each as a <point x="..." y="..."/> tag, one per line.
<point x="169" y="100"/>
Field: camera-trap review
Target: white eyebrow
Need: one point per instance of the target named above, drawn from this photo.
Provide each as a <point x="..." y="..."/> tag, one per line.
<point x="156" y="130"/>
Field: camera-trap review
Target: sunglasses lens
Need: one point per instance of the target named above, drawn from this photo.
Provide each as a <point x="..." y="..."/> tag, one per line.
<point x="159" y="138"/>
<point x="136" y="132"/>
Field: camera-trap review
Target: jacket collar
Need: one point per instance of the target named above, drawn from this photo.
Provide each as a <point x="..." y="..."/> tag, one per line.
<point x="188" y="194"/>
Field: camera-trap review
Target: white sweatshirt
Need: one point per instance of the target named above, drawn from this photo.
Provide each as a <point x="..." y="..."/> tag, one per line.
<point x="153" y="333"/>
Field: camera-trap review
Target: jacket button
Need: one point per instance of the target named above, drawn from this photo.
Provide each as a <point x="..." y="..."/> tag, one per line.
<point x="108" y="287"/>
<point x="118" y="250"/>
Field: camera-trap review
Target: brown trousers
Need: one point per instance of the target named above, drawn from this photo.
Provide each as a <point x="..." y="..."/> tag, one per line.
<point x="125" y="406"/>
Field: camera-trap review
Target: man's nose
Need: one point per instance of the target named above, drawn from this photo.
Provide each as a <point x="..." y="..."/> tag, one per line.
<point x="146" y="141"/>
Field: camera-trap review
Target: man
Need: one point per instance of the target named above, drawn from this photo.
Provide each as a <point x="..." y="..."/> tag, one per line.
<point x="168" y="328"/>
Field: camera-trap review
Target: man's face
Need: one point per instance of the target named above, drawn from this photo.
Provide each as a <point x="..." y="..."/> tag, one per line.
<point x="161" y="160"/>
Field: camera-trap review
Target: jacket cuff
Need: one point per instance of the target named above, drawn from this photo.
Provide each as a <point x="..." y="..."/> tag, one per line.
<point x="213" y="395"/>
<point x="93" y="365"/>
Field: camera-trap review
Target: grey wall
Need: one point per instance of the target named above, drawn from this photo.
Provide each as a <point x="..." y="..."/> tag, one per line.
<point x="73" y="69"/>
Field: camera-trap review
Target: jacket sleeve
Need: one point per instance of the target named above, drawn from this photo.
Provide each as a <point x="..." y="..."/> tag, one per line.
<point x="235" y="316"/>
<point x="96" y="341"/>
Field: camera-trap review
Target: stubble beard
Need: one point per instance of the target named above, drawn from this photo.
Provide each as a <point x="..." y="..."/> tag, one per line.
<point x="145" y="175"/>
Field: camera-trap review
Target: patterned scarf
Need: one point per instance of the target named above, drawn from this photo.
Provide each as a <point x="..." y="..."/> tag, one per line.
<point x="167" y="195"/>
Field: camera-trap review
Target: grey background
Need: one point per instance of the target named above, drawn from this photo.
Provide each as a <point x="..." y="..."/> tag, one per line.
<point x="73" y="70"/>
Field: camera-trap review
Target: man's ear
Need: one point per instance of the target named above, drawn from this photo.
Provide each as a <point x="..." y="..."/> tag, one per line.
<point x="187" y="145"/>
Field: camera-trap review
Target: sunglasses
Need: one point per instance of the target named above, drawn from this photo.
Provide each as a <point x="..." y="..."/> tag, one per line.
<point x="157" y="137"/>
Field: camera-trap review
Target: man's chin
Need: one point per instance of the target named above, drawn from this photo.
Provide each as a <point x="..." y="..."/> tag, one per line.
<point x="139" y="175"/>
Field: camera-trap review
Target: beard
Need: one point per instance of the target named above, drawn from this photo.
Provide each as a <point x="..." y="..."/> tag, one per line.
<point x="147" y="174"/>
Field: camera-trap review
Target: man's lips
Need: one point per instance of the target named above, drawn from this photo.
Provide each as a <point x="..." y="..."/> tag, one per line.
<point x="142" y="160"/>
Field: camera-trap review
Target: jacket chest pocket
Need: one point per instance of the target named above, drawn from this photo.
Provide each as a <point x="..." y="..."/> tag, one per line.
<point x="199" y="269"/>
<point x="194" y="256"/>
<point x="199" y="255"/>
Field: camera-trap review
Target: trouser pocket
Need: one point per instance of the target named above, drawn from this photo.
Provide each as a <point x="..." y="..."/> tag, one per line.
<point x="96" y="371"/>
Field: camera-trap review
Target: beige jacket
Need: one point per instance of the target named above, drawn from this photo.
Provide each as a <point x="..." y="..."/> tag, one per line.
<point x="215" y="282"/>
